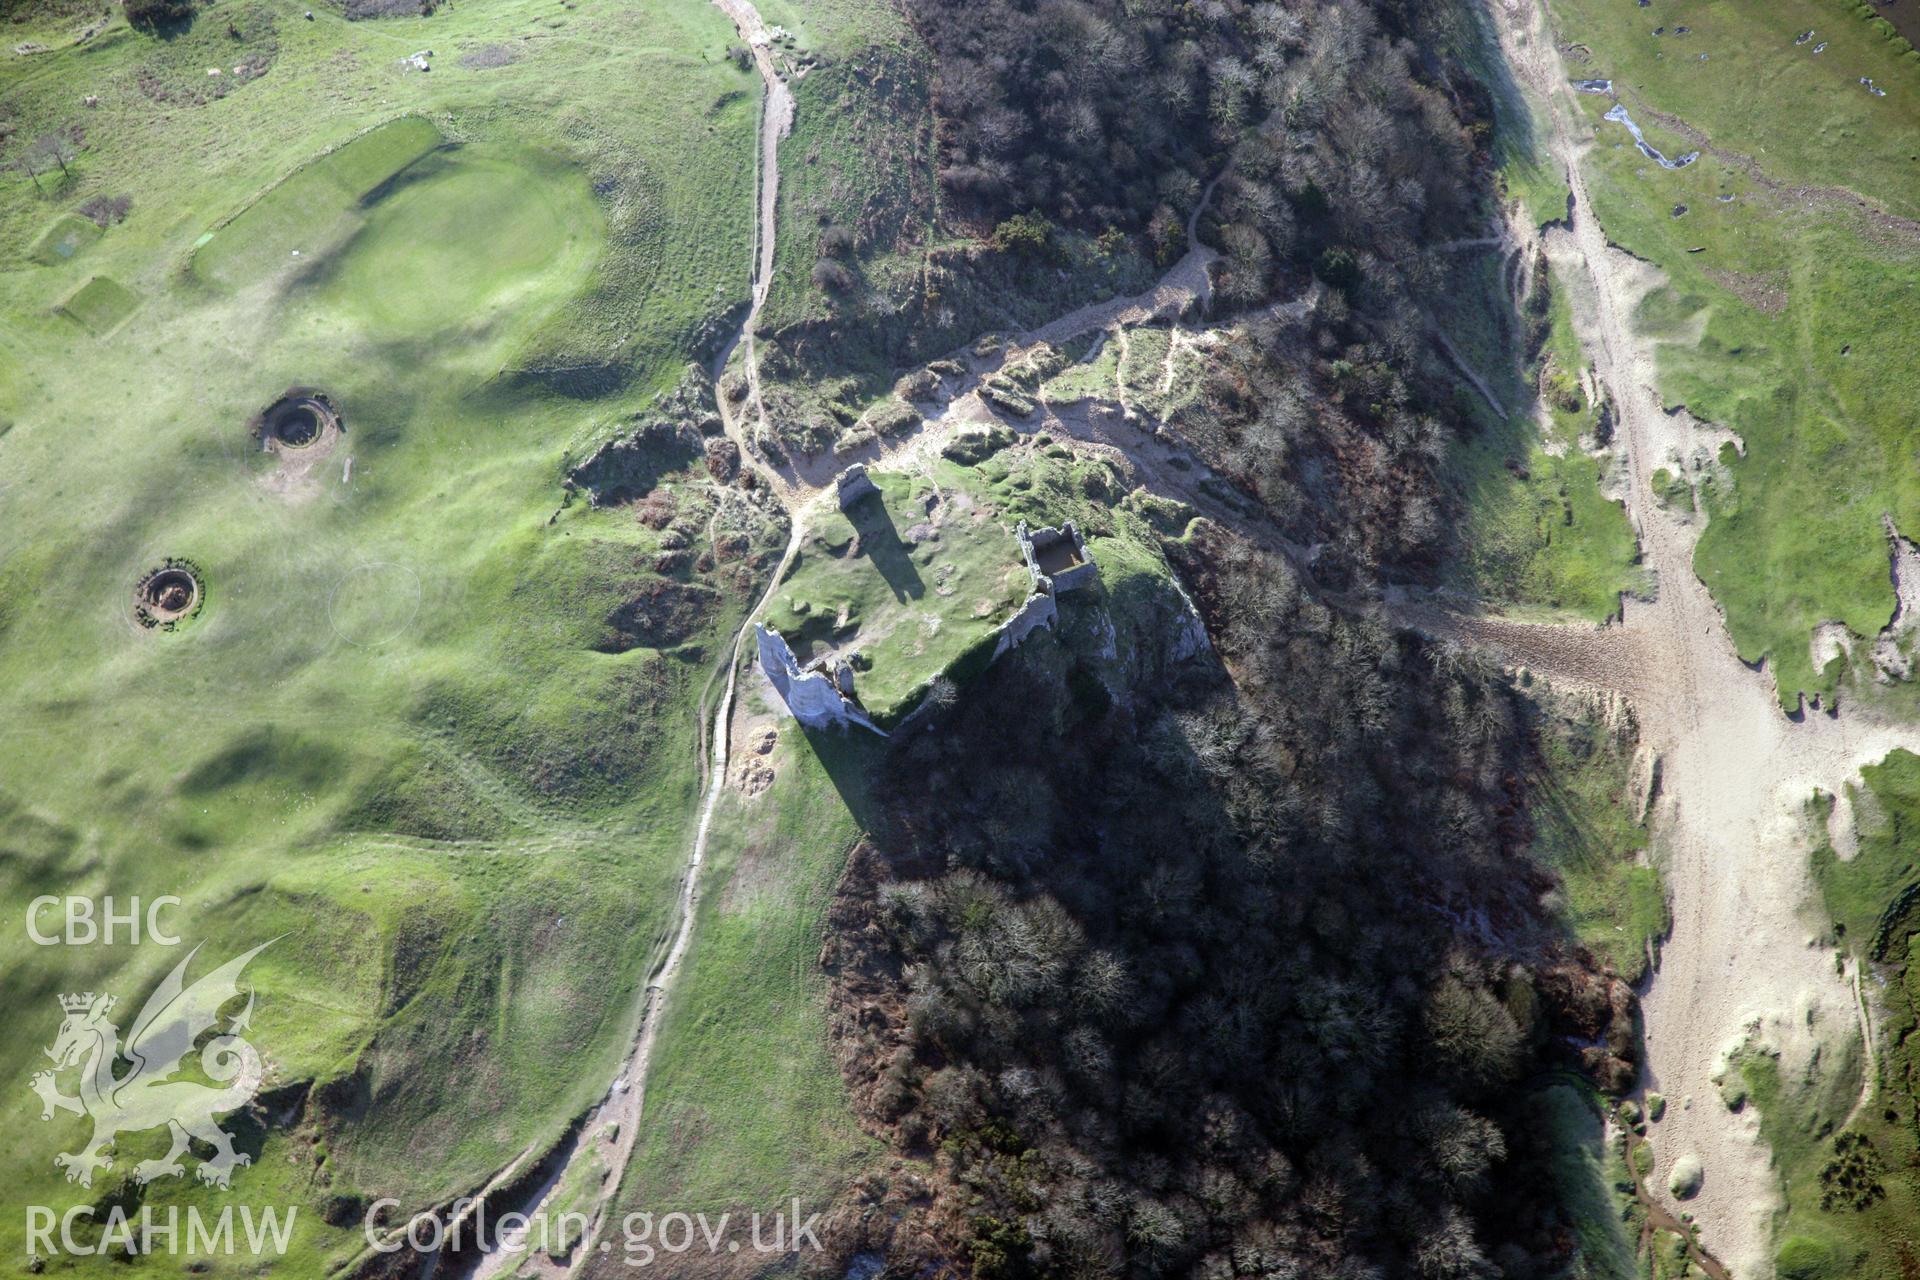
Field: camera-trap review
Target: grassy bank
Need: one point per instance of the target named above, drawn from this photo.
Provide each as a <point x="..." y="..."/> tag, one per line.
<point x="1786" y="314"/>
<point x="745" y="1107"/>
<point x="1851" y="1205"/>
<point x="1588" y="828"/>
<point x="1539" y="535"/>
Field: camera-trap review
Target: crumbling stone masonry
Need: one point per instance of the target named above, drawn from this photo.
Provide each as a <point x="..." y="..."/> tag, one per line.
<point x="854" y="484"/>
<point x="1038" y="611"/>
<point x="818" y="698"/>
<point x="1057" y="559"/>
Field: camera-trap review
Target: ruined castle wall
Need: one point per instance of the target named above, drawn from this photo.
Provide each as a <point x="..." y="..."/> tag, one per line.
<point x="1080" y="575"/>
<point x="1039" y="611"/>
<point x="854" y="484"/>
<point x="810" y="695"/>
<point x="1033" y="542"/>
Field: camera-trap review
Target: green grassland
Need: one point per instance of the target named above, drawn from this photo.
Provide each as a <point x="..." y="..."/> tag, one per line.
<point x="314" y="209"/>
<point x="52" y="24"/>
<point x="745" y="1106"/>
<point x="1804" y="117"/>
<point x="1789" y="320"/>
<point x="1587" y="829"/>
<point x="909" y="580"/>
<point x="528" y="76"/>
<point x="101" y="305"/>
<point x="1538" y="535"/>
<point x="1852" y="1200"/>
<point x="857" y="185"/>
<point x="858" y="158"/>
<point x="1147" y="350"/>
<point x="69" y="235"/>
<point x="835" y="30"/>
<point x="405" y="735"/>
<point x="1095" y="375"/>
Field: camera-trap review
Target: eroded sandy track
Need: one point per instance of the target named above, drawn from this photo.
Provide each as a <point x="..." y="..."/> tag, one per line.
<point x="1743" y="962"/>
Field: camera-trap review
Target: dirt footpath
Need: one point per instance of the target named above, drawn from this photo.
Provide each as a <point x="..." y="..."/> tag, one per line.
<point x="1743" y="963"/>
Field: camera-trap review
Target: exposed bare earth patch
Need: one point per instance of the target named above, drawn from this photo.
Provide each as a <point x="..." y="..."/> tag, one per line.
<point x="1765" y="292"/>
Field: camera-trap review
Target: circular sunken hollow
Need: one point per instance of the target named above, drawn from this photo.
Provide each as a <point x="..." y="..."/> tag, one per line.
<point x="298" y="426"/>
<point x="299" y="420"/>
<point x="168" y="594"/>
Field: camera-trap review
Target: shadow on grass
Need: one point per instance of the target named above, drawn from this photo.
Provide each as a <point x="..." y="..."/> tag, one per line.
<point x="881" y="543"/>
<point x="852" y="759"/>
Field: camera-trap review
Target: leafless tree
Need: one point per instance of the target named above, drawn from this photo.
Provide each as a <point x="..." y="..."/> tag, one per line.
<point x="53" y="147"/>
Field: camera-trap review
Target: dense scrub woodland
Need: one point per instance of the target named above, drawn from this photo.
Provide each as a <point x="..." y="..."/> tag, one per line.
<point x="1075" y="144"/>
<point x="1344" y="142"/>
<point x="1234" y="973"/>
<point x="1233" y="967"/>
<point x="1101" y="114"/>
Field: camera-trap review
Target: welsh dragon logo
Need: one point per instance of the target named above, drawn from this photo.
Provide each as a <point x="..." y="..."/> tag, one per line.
<point x="147" y="1096"/>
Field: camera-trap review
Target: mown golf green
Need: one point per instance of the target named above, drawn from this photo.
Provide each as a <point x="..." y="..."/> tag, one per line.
<point x="313" y="207"/>
<point x="464" y="238"/>
<point x="101" y="304"/>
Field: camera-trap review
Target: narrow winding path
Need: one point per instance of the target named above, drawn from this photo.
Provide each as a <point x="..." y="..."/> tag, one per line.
<point x="776" y="121"/>
<point x="608" y="1133"/>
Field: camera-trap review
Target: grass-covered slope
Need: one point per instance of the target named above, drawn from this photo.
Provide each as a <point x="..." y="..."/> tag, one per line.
<point x="313" y="208"/>
<point x="1846" y="1162"/>
<point x="1588" y="828"/>
<point x="442" y="743"/>
<point x="745" y="1106"/>
<point x="1539" y="534"/>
